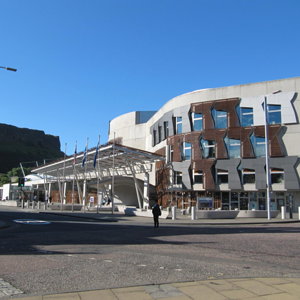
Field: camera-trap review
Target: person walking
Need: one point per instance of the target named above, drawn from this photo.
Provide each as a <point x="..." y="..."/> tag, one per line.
<point x="156" y="213"/>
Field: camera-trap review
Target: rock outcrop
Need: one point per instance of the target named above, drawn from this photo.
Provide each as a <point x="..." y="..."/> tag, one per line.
<point x="25" y="145"/>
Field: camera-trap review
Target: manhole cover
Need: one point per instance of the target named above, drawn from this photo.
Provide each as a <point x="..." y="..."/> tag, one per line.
<point x="31" y="222"/>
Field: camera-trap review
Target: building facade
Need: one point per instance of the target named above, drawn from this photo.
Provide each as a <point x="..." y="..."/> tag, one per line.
<point x="215" y="141"/>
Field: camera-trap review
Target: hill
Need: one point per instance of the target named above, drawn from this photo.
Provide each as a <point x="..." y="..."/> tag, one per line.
<point x="24" y="145"/>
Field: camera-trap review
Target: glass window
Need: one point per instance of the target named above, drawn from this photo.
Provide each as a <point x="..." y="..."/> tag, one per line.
<point x="274" y="114"/>
<point x="246" y="116"/>
<point x="186" y="152"/>
<point x="177" y="177"/>
<point x="233" y="147"/>
<point x="222" y="176"/>
<point x="277" y="175"/>
<point x="208" y="148"/>
<point x="159" y="134"/>
<point x="154" y="137"/>
<point x="166" y="129"/>
<point x="234" y="201"/>
<point x="178" y="125"/>
<point x="248" y="176"/>
<point x="258" y="144"/>
<point x="220" y="118"/>
<point x="198" y="177"/>
<point x="197" y="121"/>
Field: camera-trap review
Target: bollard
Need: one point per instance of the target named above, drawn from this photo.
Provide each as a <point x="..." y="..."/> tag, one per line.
<point x="193" y="213"/>
<point x="299" y="212"/>
<point x="22" y="203"/>
<point x="33" y="204"/>
<point x="173" y="212"/>
<point x="39" y="205"/>
<point x="283" y="212"/>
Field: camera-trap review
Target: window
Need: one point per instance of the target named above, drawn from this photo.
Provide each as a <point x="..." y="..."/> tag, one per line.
<point x="258" y="144"/>
<point x="234" y="201"/>
<point x="198" y="177"/>
<point x="244" y="201"/>
<point x="208" y="148"/>
<point x="186" y="151"/>
<point x="197" y="121"/>
<point x="248" y="176"/>
<point x="166" y="129"/>
<point x="177" y="177"/>
<point x="246" y="116"/>
<point x="159" y="134"/>
<point x="171" y="153"/>
<point x="233" y="147"/>
<point x="274" y="114"/>
<point x="178" y="125"/>
<point x="222" y="176"/>
<point x="220" y="118"/>
<point x="154" y="138"/>
<point x="277" y="175"/>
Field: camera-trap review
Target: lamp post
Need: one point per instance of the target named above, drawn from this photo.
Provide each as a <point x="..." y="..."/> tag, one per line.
<point x="9" y="69"/>
<point x="268" y="176"/>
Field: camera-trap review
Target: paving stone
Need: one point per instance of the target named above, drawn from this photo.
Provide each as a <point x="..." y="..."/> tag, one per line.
<point x="101" y="294"/>
<point x="291" y="288"/>
<point x="283" y="296"/>
<point x="237" y="294"/>
<point x="221" y="285"/>
<point x="163" y="291"/>
<point x="274" y="281"/>
<point x="129" y="289"/>
<point x="258" y="288"/>
<point x="201" y="292"/>
<point x="7" y="289"/>
<point x="133" y="296"/>
<point x="68" y="296"/>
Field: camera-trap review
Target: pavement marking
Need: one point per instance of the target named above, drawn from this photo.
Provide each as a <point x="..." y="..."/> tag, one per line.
<point x="31" y="222"/>
<point x="142" y="265"/>
<point x="108" y="260"/>
<point x="6" y="289"/>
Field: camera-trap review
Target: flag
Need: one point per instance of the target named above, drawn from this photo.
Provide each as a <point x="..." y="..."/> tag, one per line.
<point x="85" y="154"/>
<point x="96" y="154"/>
<point x="84" y="157"/>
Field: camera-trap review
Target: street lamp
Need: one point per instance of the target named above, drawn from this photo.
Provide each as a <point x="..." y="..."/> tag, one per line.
<point x="9" y="69"/>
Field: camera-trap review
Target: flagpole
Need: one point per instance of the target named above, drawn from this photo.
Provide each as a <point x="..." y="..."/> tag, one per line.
<point x="113" y="179"/>
<point x="62" y="199"/>
<point x="73" y="183"/>
<point x="85" y="167"/>
<point x="95" y="166"/>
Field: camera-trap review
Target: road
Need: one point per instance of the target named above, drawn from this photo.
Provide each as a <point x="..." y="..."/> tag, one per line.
<point x="72" y="254"/>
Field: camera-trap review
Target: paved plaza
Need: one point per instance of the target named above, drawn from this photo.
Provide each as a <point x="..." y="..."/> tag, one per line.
<point x="104" y="256"/>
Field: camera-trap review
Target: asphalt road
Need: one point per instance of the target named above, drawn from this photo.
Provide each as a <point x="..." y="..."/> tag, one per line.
<point x="72" y="254"/>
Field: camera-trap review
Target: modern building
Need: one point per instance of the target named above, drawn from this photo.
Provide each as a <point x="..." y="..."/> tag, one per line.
<point x="214" y="141"/>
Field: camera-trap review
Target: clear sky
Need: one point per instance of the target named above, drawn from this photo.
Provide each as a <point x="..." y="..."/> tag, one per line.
<point x="82" y="63"/>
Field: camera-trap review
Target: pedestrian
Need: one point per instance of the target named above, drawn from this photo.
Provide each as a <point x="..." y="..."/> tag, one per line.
<point x="156" y="213"/>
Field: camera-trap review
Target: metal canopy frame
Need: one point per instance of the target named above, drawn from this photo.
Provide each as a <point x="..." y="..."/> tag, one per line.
<point x="111" y="160"/>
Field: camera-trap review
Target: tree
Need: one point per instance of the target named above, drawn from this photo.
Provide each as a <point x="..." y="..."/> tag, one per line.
<point x="15" y="172"/>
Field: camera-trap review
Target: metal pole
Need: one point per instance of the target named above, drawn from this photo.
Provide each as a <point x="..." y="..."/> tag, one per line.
<point x="64" y="179"/>
<point x="113" y="179"/>
<point x="268" y="177"/>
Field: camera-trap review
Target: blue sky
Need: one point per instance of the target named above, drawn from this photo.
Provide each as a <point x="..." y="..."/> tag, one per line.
<point x="82" y="63"/>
